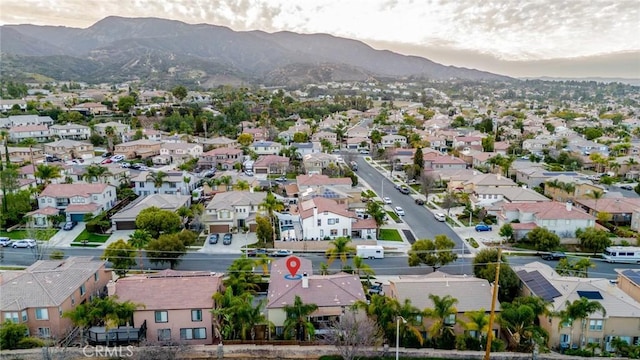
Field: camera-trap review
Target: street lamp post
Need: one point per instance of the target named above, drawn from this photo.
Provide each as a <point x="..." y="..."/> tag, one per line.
<point x="398" y="334"/>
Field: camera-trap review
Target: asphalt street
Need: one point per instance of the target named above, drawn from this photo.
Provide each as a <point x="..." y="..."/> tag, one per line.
<point x="418" y="217"/>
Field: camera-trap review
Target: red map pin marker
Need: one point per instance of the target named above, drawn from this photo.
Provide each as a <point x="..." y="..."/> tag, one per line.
<point x="293" y="264"/>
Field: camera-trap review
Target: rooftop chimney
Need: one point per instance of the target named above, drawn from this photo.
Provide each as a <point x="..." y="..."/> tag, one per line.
<point x="305" y="281"/>
<point x="498" y="176"/>
<point x="569" y="205"/>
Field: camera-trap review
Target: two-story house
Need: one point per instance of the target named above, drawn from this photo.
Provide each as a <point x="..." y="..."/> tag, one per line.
<point x="271" y="164"/>
<point x="173" y="182"/>
<point x="118" y="128"/>
<point x="314" y="163"/>
<point x="473" y="294"/>
<point x="70" y="131"/>
<point x="21" y="155"/>
<point x="178" y="152"/>
<point x="176" y="307"/>
<point x="437" y="161"/>
<point x="39" y="133"/>
<point x="77" y="200"/>
<point x="233" y="209"/>
<point x="39" y="295"/>
<point x="333" y="294"/>
<point x="324" y="218"/>
<point x="142" y="148"/>
<point x="149" y="134"/>
<point x="621" y="318"/>
<point x="389" y="141"/>
<point x="266" y="147"/>
<point x="26" y="120"/>
<point x="224" y="158"/>
<point x="329" y="136"/>
<point x="307" y="148"/>
<point x="69" y="149"/>
<point x="560" y="218"/>
<point x="564" y="188"/>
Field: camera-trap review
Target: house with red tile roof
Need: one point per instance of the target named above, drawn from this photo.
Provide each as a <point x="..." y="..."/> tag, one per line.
<point x="40" y="133"/>
<point x="222" y="157"/>
<point x="177" y="305"/>
<point x="271" y="164"/>
<point x="77" y="200"/>
<point x="561" y="218"/>
<point x="314" y="180"/>
<point x="333" y="294"/>
<point x="621" y="209"/>
<point x="325" y="218"/>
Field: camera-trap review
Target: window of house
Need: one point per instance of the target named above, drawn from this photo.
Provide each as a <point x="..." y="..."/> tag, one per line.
<point x="193" y="333"/>
<point x="319" y="222"/>
<point x="162" y="316"/>
<point x="334" y="232"/>
<point x="83" y="290"/>
<point x="73" y="300"/>
<point x="595" y="324"/>
<point x="44" y="332"/>
<point x="331" y="221"/>
<point x="345" y="232"/>
<point x="164" y="334"/>
<point x="42" y="314"/>
<point x="196" y="315"/>
<point x="337" y="220"/>
<point x="12" y="316"/>
<point x="95" y="276"/>
<point x="60" y="310"/>
<point x="25" y="317"/>
<point x="173" y="185"/>
<point x="450" y="320"/>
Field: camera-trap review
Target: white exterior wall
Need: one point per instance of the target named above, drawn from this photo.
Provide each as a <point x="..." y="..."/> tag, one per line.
<point x="311" y="229"/>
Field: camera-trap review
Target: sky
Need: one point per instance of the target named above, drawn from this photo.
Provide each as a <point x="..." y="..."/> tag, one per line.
<point x="513" y="37"/>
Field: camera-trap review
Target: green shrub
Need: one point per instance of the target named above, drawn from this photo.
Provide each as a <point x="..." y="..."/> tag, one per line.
<point x="30" y="343"/>
<point x="578" y="352"/>
<point x="473" y="243"/>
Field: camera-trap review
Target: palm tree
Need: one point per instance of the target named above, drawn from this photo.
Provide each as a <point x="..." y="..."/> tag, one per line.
<point x="263" y="261"/>
<point x="341" y="249"/>
<point x="324" y="269"/>
<point x="580" y="310"/>
<point x="411" y="325"/>
<point x="270" y="204"/>
<point x="242" y="185"/>
<point x="376" y="211"/>
<point x="384" y="311"/>
<point x="184" y="212"/>
<point x="297" y="324"/>
<point x="157" y="178"/>
<point x="95" y="172"/>
<point x="362" y="268"/>
<point x="596" y="194"/>
<point x="241" y="276"/>
<point x="187" y="182"/>
<point x="47" y="172"/>
<point x="478" y="322"/>
<point x="225" y="180"/>
<point x="139" y="240"/>
<point x="109" y="131"/>
<point x="443" y="309"/>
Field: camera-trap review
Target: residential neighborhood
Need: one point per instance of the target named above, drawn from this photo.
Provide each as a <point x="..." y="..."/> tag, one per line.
<point x="200" y="224"/>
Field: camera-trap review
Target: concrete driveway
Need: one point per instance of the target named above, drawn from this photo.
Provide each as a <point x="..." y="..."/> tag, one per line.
<point x="64" y="238"/>
<point x="238" y="242"/>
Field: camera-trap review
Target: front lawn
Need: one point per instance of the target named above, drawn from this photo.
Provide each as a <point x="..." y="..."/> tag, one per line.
<point x="38" y="234"/>
<point x="88" y="237"/>
<point x="393" y="216"/>
<point x="389" y="235"/>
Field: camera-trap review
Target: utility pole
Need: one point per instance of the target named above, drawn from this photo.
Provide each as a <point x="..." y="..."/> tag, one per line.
<point x="487" y="354"/>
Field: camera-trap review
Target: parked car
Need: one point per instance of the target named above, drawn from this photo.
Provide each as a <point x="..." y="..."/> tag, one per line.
<point x="282" y="253"/>
<point x="126" y="165"/>
<point x="419" y="202"/>
<point x="555" y="255"/>
<point x="386" y="200"/>
<point x="69" y="225"/>
<point x="226" y="239"/>
<point x="117" y="158"/>
<point x="106" y="161"/>
<point x="106" y="155"/>
<point x="281" y="179"/>
<point x="248" y="172"/>
<point x="365" y="152"/>
<point x="256" y="252"/>
<point x="26" y="243"/>
<point x="135" y="166"/>
<point x="399" y="211"/>
<point x="376" y="289"/>
<point x="213" y="238"/>
<point x="405" y="190"/>
<point x="440" y="217"/>
<point x="483" y="227"/>
<point x="5" y="241"/>
<point x="626" y="187"/>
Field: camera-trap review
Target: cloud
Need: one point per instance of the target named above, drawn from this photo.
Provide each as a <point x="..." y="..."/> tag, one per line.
<point x="507" y="29"/>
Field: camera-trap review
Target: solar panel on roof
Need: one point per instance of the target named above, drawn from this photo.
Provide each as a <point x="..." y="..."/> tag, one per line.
<point x="632" y="275"/>
<point x="539" y="285"/>
<point x="591" y="295"/>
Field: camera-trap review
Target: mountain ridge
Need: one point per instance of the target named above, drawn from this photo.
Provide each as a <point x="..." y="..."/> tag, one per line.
<point x="160" y="51"/>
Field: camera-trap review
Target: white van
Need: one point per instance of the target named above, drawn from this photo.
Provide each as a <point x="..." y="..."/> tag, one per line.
<point x="370" y="251"/>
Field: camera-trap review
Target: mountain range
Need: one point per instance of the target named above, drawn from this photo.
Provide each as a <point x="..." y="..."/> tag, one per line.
<point x="162" y="52"/>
